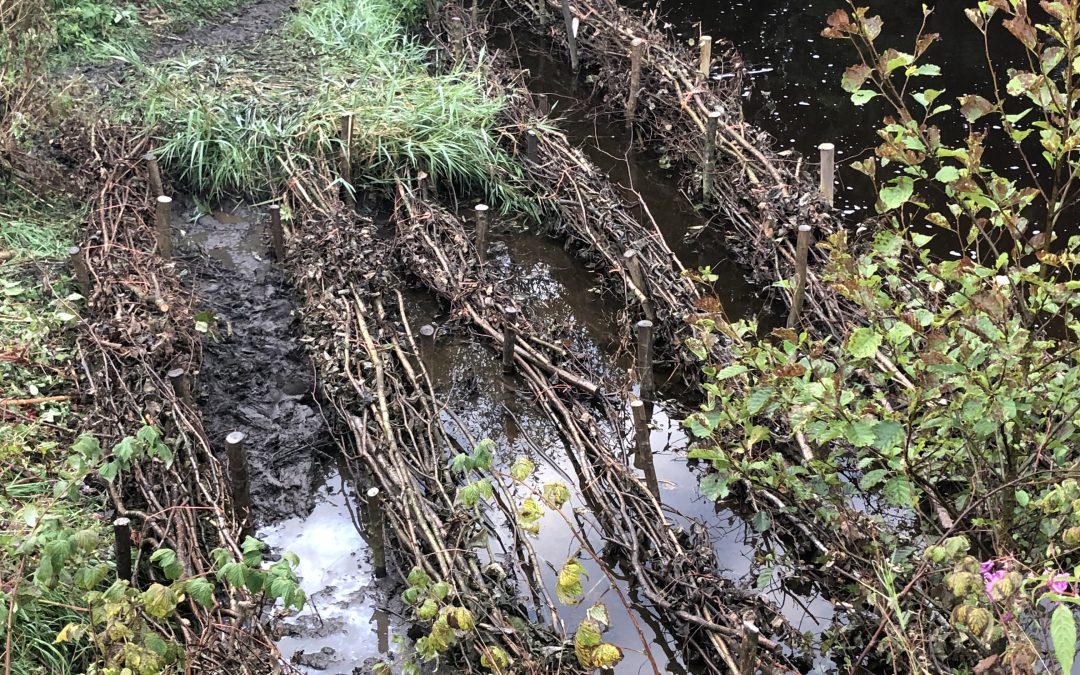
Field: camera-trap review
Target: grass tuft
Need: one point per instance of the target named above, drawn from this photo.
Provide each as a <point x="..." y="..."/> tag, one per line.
<point x="238" y="125"/>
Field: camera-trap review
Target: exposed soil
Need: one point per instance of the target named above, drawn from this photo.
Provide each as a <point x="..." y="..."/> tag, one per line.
<point x="255" y="376"/>
<point x="228" y="31"/>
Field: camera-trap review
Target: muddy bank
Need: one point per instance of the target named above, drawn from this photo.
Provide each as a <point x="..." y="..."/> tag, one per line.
<point x="255" y="376"/>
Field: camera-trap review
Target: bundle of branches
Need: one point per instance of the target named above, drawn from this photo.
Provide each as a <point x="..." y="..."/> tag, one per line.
<point x="140" y="326"/>
<point x="762" y="196"/>
<point x="682" y="581"/>
<point x="366" y="354"/>
<point x="582" y="205"/>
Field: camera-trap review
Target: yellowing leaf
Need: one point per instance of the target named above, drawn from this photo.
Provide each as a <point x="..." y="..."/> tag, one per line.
<point x="606" y="656"/>
<point x="568" y="587"/>
<point x="522" y="469"/>
<point x="70" y="633"/>
<point x="556" y="494"/>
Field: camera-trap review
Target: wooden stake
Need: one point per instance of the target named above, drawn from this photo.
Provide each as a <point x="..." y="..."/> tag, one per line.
<point x="475" y="14"/>
<point x="802" y="249"/>
<point x="182" y="386"/>
<point x="153" y="172"/>
<point x="644" y="361"/>
<point x="637" y="47"/>
<point x="427" y="345"/>
<point x="277" y="234"/>
<point x="748" y="657"/>
<point x="238" y="478"/>
<point x="705" y="67"/>
<point x="542" y="104"/>
<point x="345" y="162"/>
<point x="163" y="226"/>
<point x="122" y="548"/>
<point x="481" y="230"/>
<point x="633" y="267"/>
<point x="377" y="536"/>
<point x="643" y="455"/>
<point x="532" y="150"/>
<point x="510" y="315"/>
<point x="431" y="15"/>
<point x="709" y="168"/>
<point x="457" y="38"/>
<point x="80" y="271"/>
<point x="828" y="171"/>
<point x="571" y="36"/>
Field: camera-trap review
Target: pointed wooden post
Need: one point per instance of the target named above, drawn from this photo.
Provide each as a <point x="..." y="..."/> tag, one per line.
<point x="510" y="315"/>
<point x="532" y="151"/>
<point x="377" y="536"/>
<point x="705" y="65"/>
<point x="748" y="655"/>
<point x="122" y="548"/>
<point x="802" y="249"/>
<point x="277" y="234"/>
<point x="182" y="386"/>
<point x="644" y="361"/>
<point x="163" y="226"/>
<point x="571" y="34"/>
<point x="238" y="479"/>
<point x="637" y="47"/>
<point x="709" y="168"/>
<point x="153" y="173"/>
<point x="828" y="171"/>
<point x="643" y="455"/>
<point x="80" y="271"/>
<point x="427" y="346"/>
<point x="345" y="160"/>
<point x="457" y="38"/>
<point x="481" y="230"/>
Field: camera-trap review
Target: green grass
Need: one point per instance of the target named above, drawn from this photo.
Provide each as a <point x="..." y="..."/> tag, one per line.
<point x="234" y="125"/>
<point x="37" y="315"/>
<point x="87" y="30"/>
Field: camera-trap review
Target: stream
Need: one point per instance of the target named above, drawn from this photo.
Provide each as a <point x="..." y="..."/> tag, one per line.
<point x="257" y="379"/>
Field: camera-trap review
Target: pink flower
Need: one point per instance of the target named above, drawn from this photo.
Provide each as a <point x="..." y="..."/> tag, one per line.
<point x="991" y="579"/>
<point x="1059" y="583"/>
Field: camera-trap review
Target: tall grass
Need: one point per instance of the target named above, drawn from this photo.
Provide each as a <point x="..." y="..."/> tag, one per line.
<point x="236" y="125"/>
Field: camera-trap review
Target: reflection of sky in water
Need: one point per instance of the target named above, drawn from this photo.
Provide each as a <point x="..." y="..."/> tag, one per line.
<point x="336" y="575"/>
<point x="468" y="377"/>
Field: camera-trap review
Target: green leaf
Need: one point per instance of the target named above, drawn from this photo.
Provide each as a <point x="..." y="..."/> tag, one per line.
<point x="483" y="455"/>
<point x="863" y="343"/>
<point x="757" y="400"/>
<point x="418" y="578"/>
<point x="899" y="491"/>
<point x="159" y="601"/>
<point x="888" y="434"/>
<point x="871" y="479"/>
<point x="714" y="487"/>
<point x="599" y="614"/>
<point x="702" y="424"/>
<point x="860" y="433"/>
<point x="863" y="96"/>
<point x="947" y="174"/>
<point x="897" y="192"/>
<point x="201" y="590"/>
<point x="167" y="560"/>
<point x="730" y="371"/>
<point x="440" y="590"/>
<point x="252" y="549"/>
<point x="1063" y="634"/>
<point x="761" y="522"/>
<point x="521" y="469"/>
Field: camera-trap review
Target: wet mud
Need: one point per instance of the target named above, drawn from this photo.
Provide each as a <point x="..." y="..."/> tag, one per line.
<point x="255" y="376"/>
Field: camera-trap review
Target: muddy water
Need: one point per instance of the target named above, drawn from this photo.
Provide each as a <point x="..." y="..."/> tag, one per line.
<point x="256" y="378"/>
<point x="562" y="294"/>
